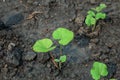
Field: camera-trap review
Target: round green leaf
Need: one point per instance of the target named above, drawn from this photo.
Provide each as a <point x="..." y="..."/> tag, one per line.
<point x="94" y="74"/>
<point x="100" y="16"/>
<point x="98" y="69"/>
<point x="43" y="45"/>
<point x="63" y="35"/>
<point x="63" y="58"/>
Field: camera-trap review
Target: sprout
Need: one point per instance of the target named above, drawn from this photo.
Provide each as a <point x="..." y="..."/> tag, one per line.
<point x="94" y="15"/>
<point x="62" y="59"/>
<point x="45" y="45"/>
<point x="98" y="70"/>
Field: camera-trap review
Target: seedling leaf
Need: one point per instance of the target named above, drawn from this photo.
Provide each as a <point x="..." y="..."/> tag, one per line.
<point x="91" y="13"/>
<point x="98" y="69"/>
<point x="99" y="8"/>
<point x="102" y="6"/>
<point x="56" y="60"/>
<point x="94" y="15"/>
<point x="100" y="16"/>
<point x="43" y="45"/>
<point x="63" y="35"/>
<point x="90" y="20"/>
<point x="63" y="58"/>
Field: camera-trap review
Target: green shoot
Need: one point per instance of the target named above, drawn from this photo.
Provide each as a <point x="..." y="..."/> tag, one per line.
<point x="45" y="45"/>
<point x="62" y="59"/>
<point x="64" y="36"/>
<point x="94" y="15"/>
<point x="98" y="70"/>
<point x="99" y="8"/>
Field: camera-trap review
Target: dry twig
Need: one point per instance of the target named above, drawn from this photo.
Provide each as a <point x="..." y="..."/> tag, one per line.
<point x="32" y="15"/>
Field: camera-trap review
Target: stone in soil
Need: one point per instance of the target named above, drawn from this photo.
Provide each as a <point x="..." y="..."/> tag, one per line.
<point x="82" y="40"/>
<point x="29" y="56"/>
<point x="79" y="19"/>
<point x="2" y="25"/>
<point x="94" y="40"/>
<point x="11" y="46"/>
<point x="13" y="58"/>
<point x="14" y="19"/>
<point x="112" y="67"/>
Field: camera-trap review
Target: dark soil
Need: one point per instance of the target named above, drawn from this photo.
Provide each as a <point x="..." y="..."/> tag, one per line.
<point x="19" y="31"/>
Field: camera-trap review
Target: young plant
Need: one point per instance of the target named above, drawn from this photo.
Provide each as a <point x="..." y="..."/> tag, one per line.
<point x="62" y="59"/>
<point x="99" y="69"/>
<point x="45" y="45"/>
<point x="64" y="36"/>
<point x="94" y="15"/>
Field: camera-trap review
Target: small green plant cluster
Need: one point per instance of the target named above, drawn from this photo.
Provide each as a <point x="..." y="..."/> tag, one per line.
<point x="94" y="15"/>
<point x="64" y="37"/>
<point x="99" y="69"/>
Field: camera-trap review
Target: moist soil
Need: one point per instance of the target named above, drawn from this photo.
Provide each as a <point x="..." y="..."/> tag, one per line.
<point x="22" y="22"/>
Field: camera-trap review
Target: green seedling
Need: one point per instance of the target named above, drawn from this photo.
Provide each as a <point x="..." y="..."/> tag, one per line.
<point x="62" y="59"/>
<point x="94" y="15"/>
<point x="64" y="36"/>
<point x="99" y="69"/>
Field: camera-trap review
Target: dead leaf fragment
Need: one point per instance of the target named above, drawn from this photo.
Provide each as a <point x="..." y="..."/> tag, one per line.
<point x="32" y="15"/>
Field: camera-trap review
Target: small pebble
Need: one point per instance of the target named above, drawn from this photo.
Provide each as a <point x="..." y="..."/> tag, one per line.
<point x="109" y="45"/>
<point x="14" y="19"/>
<point x="79" y="19"/>
<point x="94" y="40"/>
<point x="13" y="58"/>
<point x="112" y="67"/>
<point x="29" y="56"/>
<point x="3" y="0"/>
<point x="92" y="45"/>
<point x="11" y="46"/>
<point x="2" y="25"/>
<point x="30" y="1"/>
<point x="48" y="65"/>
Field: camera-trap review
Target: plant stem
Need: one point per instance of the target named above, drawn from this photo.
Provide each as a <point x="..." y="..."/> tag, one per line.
<point x="60" y="65"/>
<point x="60" y="55"/>
<point x="52" y="59"/>
<point x="94" y="27"/>
<point x="60" y="50"/>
